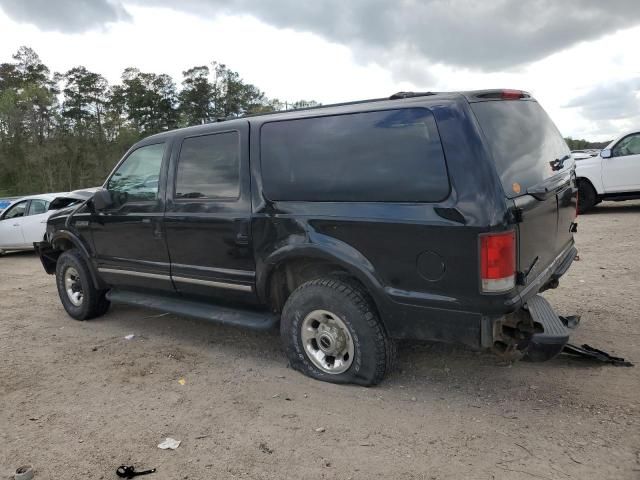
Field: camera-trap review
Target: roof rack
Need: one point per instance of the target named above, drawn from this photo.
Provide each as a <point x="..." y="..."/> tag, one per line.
<point x="395" y="96"/>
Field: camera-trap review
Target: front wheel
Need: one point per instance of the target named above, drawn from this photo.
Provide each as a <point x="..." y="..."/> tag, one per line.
<point x="78" y="295"/>
<point x="331" y="332"/>
<point x="587" y="196"/>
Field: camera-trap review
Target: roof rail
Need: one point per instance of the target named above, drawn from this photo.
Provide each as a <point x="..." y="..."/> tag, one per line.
<point x="399" y="95"/>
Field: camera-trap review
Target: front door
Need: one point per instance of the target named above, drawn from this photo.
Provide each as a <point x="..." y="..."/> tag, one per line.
<point x="11" y="225"/>
<point x="621" y="172"/>
<point x="128" y="237"/>
<point x="208" y="213"/>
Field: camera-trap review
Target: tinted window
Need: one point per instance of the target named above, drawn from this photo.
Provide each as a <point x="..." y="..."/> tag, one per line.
<point x="627" y="146"/>
<point x="38" y="206"/>
<point x="137" y="177"/>
<point x="17" y="210"/>
<point x="523" y="142"/>
<point x="384" y="156"/>
<point x="209" y="167"/>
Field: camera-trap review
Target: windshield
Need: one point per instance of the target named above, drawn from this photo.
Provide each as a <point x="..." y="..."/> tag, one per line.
<point x="525" y="144"/>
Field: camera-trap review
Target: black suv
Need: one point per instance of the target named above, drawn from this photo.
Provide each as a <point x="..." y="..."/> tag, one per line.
<point x="434" y="216"/>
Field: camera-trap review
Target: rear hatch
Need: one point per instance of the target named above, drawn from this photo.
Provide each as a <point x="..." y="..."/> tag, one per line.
<point x="537" y="174"/>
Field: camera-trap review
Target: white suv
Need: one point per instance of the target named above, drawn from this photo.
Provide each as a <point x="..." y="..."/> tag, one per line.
<point x="612" y="175"/>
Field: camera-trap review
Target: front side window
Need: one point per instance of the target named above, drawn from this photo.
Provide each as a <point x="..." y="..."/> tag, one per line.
<point x="628" y="146"/>
<point x="38" y="206"/>
<point x="209" y="167"/>
<point x="18" y="210"/>
<point x="137" y="178"/>
<point x="381" y="156"/>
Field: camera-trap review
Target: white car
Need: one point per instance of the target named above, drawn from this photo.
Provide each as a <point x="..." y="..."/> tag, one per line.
<point x="25" y="221"/>
<point x="612" y="175"/>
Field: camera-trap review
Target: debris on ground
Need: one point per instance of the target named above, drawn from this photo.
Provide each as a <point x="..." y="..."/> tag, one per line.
<point x="24" y="472"/>
<point x="129" y="337"/>
<point x="265" y="448"/>
<point x="320" y="430"/>
<point x="587" y="351"/>
<point x="182" y="381"/>
<point x="570" y="321"/>
<point x="129" y="471"/>
<point x="169" y="443"/>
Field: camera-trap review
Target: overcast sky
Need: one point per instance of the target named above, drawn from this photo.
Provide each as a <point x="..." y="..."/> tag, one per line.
<point x="579" y="58"/>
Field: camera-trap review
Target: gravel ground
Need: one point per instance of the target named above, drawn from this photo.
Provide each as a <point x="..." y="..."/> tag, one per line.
<point x="77" y="399"/>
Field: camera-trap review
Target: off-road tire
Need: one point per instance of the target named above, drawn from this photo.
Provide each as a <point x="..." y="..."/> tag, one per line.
<point x="94" y="302"/>
<point x="374" y="352"/>
<point x="587" y="196"/>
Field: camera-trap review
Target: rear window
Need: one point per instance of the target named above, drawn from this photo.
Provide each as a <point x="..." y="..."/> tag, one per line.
<point x="523" y="141"/>
<point x="383" y="156"/>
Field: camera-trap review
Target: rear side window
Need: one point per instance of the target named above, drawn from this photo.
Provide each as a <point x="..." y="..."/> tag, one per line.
<point x="38" y="206"/>
<point x="209" y="167"/>
<point x="523" y="142"/>
<point x="383" y="156"/>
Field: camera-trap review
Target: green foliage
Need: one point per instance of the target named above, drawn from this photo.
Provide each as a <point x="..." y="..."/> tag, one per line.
<point x="582" y="144"/>
<point x="66" y="131"/>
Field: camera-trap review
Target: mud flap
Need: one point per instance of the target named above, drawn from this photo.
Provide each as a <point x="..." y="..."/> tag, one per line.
<point x="550" y="335"/>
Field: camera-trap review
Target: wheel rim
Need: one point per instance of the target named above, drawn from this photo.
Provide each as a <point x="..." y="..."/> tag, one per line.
<point x="327" y="341"/>
<point x="73" y="286"/>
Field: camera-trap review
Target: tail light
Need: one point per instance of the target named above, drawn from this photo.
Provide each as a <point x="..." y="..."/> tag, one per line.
<point x="498" y="261"/>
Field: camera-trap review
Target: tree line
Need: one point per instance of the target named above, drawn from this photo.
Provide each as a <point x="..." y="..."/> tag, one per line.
<point x="582" y="144"/>
<point x="65" y="131"/>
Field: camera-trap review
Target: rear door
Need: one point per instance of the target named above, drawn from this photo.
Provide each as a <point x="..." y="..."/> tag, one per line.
<point x="34" y="224"/>
<point x="621" y="172"/>
<point x="537" y="174"/>
<point x="208" y="214"/>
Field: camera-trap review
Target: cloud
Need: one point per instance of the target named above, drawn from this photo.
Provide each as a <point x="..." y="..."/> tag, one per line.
<point x="70" y="16"/>
<point x="611" y="109"/>
<point x="614" y="101"/>
<point x="479" y="34"/>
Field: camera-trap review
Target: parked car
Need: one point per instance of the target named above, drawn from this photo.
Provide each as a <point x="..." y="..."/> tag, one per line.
<point x="614" y="174"/>
<point x="24" y="221"/>
<point x="420" y="216"/>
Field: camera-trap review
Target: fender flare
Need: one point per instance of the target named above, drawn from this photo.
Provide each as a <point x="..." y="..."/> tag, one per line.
<point x="84" y="251"/>
<point x="330" y="250"/>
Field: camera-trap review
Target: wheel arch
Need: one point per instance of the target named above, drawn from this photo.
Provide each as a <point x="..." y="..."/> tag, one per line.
<point x="64" y="240"/>
<point x="289" y="267"/>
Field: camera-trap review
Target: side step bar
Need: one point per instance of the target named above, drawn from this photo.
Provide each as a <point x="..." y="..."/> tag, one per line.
<point x="253" y="319"/>
<point x="548" y="343"/>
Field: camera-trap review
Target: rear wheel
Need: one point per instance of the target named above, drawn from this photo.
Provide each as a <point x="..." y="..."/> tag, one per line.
<point x="78" y="295"/>
<point x="587" y="196"/>
<point x="331" y="332"/>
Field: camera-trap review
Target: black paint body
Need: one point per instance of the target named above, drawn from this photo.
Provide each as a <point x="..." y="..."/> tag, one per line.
<point x="419" y="261"/>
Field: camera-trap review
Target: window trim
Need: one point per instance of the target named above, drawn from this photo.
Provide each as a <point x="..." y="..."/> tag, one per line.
<point x="166" y="143"/>
<point x="620" y="141"/>
<point x="208" y="199"/>
<point x="364" y="202"/>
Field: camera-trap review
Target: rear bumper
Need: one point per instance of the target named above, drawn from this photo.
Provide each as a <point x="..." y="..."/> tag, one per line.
<point x="550" y="274"/>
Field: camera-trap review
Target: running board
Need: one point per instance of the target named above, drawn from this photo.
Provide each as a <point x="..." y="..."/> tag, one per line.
<point x="548" y="343"/>
<point x="253" y="319"/>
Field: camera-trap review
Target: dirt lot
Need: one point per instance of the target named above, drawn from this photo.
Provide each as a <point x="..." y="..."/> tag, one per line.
<point x="77" y="399"/>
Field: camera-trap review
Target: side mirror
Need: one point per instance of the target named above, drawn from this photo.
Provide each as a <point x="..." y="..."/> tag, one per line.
<point x="605" y="153"/>
<point x="102" y="199"/>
